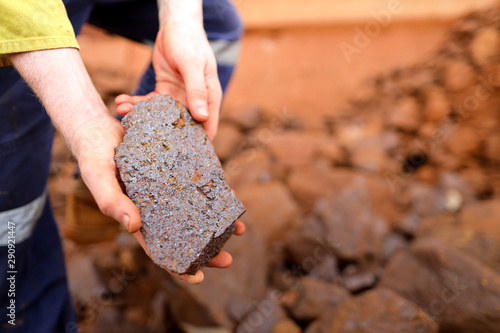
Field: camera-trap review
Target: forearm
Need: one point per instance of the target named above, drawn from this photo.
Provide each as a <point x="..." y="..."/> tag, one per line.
<point x="180" y="12"/>
<point x="60" y="80"/>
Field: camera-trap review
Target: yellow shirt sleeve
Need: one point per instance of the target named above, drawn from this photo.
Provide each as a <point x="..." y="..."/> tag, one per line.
<point x="30" y="25"/>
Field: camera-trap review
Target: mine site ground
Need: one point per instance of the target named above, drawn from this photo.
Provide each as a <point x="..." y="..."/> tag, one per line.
<point x="371" y="181"/>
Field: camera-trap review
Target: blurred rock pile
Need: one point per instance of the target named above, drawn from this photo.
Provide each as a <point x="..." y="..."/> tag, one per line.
<point x="383" y="219"/>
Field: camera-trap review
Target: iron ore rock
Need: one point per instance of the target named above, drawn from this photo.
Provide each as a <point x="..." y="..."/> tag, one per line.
<point x="172" y="174"/>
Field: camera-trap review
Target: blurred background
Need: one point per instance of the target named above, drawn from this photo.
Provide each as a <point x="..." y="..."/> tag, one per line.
<point x="363" y="138"/>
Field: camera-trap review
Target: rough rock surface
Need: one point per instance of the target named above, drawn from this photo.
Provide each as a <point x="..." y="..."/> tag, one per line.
<point x="312" y="297"/>
<point x="458" y="292"/>
<point x="172" y="174"/>
<point x="377" y="311"/>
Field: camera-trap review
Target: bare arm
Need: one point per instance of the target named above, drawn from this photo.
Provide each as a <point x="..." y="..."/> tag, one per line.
<point x="61" y="81"/>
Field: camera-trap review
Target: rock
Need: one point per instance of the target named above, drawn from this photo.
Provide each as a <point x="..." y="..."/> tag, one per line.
<point x="477" y="179"/>
<point x="312" y="297"/>
<point x="483" y="217"/>
<point x="458" y="75"/>
<point x="483" y="247"/>
<point x="393" y="244"/>
<point x="296" y="149"/>
<point x="308" y="184"/>
<point x="426" y="223"/>
<point x="485" y="45"/>
<point x="248" y="167"/>
<point x="306" y="246"/>
<point x="458" y="292"/>
<point x="456" y="188"/>
<point x="408" y="225"/>
<point x="271" y="209"/>
<point x="286" y="326"/>
<point x="416" y="78"/>
<point x="405" y="115"/>
<point x="437" y="105"/>
<point x="83" y="280"/>
<point x="326" y="270"/>
<point x="172" y="175"/>
<point x="369" y="154"/>
<point x="354" y="231"/>
<point x="376" y="311"/>
<point x="426" y="200"/>
<point x="361" y="281"/>
<point x="227" y="141"/>
<point x="492" y="151"/>
<point x="246" y="117"/>
<point x="188" y="328"/>
<point x="464" y="141"/>
<point x="265" y="316"/>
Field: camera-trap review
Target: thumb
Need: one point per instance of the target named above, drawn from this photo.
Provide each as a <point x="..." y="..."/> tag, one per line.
<point x="196" y="93"/>
<point x="108" y="194"/>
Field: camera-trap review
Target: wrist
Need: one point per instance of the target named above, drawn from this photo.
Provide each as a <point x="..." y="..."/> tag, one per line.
<point x="175" y="12"/>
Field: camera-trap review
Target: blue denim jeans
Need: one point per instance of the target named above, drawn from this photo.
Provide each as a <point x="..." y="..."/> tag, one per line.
<point x="42" y="301"/>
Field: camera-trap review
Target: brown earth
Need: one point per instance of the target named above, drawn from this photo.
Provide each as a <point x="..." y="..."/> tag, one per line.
<point x="372" y="191"/>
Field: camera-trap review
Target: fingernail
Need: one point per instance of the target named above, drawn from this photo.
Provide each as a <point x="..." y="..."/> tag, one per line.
<point x="203" y="111"/>
<point x="126" y="222"/>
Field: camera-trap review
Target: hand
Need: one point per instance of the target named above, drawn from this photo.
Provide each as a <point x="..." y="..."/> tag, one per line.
<point x="186" y="69"/>
<point x="96" y="142"/>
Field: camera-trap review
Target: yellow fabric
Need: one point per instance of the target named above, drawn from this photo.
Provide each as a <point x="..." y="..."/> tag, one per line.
<point x="30" y="25"/>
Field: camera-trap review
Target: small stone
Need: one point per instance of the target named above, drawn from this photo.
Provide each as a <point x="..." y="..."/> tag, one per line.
<point x="369" y="154"/>
<point x="305" y="247"/>
<point x="354" y="230"/>
<point x="357" y="282"/>
<point x="393" y="244"/>
<point x="405" y="115"/>
<point x="482" y="216"/>
<point x="265" y="316"/>
<point x="271" y="209"/>
<point x="485" y="45"/>
<point x="247" y="167"/>
<point x="296" y="149"/>
<point x="286" y="326"/>
<point x="483" y="247"/>
<point x="437" y="105"/>
<point x="492" y="151"/>
<point x="464" y="141"/>
<point x="312" y="297"/>
<point x="458" y="75"/>
<point x="446" y="284"/>
<point x="227" y="140"/>
<point x="246" y="117"/>
<point x="326" y="270"/>
<point x="377" y="311"/>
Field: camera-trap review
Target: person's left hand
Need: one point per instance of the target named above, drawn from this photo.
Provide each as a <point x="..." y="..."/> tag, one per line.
<point x="186" y="69"/>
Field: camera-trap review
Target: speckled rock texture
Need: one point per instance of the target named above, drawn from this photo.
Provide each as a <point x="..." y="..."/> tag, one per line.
<point x="172" y="174"/>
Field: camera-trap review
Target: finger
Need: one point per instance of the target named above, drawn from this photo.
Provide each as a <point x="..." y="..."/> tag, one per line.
<point x="196" y="92"/>
<point x="140" y="239"/>
<point x="214" y="99"/>
<point x="124" y="98"/>
<point x="108" y="194"/>
<point x="240" y="228"/>
<point x="197" y="278"/>
<point x="221" y="260"/>
<point x="124" y="108"/>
